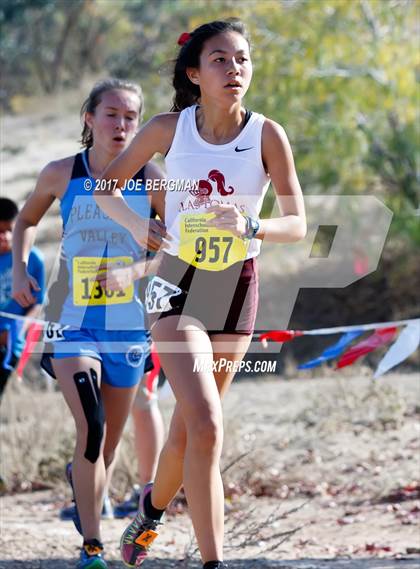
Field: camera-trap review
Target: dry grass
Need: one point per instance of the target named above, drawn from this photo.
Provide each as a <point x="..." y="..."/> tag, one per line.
<point x="376" y="406"/>
<point x="37" y="437"/>
<point x="306" y="464"/>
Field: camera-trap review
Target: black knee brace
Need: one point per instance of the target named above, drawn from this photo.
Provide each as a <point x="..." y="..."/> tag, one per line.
<point x="90" y="397"/>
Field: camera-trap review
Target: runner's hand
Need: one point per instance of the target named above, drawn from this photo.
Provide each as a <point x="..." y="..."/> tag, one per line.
<point x="116" y="279"/>
<point x="228" y="218"/>
<point x="151" y="234"/>
<point x="23" y="288"/>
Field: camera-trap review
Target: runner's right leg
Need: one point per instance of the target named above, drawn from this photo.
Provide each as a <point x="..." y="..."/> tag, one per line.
<point x="171" y="461"/>
<point x="148" y="431"/>
<point x="76" y="376"/>
<point x="149" y="434"/>
<point x="200" y="407"/>
<point x="172" y="456"/>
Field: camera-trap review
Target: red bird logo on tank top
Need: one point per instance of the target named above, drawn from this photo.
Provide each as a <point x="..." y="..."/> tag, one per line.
<point x="205" y="188"/>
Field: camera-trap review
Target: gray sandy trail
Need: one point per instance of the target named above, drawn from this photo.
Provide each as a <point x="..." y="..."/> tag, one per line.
<point x="347" y="467"/>
<point x="34" y="538"/>
<point x="250" y="564"/>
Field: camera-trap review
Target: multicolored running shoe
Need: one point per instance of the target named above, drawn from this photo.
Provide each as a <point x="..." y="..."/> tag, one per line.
<point x="139" y="535"/>
<point x="91" y="555"/>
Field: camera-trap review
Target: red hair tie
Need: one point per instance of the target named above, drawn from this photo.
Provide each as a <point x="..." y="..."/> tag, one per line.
<point x="183" y="38"/>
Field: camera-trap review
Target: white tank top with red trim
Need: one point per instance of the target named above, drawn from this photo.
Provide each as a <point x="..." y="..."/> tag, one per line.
<point x="203" y="175"/>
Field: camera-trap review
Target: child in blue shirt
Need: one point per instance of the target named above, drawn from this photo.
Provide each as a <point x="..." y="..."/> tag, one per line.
<point x="12" y="332"/>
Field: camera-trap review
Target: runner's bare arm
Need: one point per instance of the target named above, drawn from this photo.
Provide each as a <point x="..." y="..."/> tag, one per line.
<point x="278" y="159"/>
<point x="121" y="278"/>
<point x="51" y="184"/>
<point x="155" y="136"/>
<point x="157" y="196"/>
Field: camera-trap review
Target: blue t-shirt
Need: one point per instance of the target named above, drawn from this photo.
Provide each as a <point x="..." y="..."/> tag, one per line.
<point x="7" y="304"/>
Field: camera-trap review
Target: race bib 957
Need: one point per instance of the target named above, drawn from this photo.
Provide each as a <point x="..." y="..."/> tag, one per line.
<point x="207" y="247"/>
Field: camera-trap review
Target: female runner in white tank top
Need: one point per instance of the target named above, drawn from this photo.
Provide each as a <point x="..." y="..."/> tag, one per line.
<point x="202" y="301"/>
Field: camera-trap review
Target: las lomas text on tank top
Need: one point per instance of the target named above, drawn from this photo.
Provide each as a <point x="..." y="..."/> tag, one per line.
<point x="231" y="173"/>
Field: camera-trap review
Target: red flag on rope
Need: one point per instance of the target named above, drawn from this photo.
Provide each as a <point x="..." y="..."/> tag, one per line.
<point x="154" y="374"/>
<point x="374" y="341"/>
<point x="280" y="335"/>
<point x="32" y="338"/>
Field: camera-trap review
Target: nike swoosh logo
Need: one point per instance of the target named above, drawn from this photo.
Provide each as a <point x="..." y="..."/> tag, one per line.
<point x="242" y="149"/>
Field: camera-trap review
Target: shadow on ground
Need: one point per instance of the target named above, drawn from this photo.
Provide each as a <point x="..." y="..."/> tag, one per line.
<point x="261" y="563"/>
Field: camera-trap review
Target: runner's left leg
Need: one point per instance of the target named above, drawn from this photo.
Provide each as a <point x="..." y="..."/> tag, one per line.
<point x="76" y="375"/>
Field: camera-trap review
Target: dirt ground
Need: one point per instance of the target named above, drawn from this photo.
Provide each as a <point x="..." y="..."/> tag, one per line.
<point x="319" y="473"/>
<point x="335" y="463"/>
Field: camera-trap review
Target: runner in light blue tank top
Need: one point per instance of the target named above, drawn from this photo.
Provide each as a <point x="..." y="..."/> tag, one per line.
<point x="105" y="324"/>
<point x="96" y="343"/>
<point x="92" y="240"/>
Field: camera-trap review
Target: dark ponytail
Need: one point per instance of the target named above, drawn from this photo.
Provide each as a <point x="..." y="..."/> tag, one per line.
<point x="186" y="93"/>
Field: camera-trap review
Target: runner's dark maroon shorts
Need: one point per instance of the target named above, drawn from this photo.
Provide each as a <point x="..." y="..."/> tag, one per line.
<point x="224" y="302"/>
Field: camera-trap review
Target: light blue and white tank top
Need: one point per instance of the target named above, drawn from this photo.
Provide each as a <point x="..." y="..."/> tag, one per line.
<point x="91" y="242"/>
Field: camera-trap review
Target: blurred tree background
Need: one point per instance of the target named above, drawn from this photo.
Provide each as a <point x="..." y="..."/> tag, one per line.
<point x="340" y="75"/>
